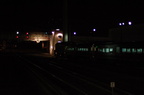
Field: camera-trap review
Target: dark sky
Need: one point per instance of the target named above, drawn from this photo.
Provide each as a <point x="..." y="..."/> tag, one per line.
<point x="83" y="15"/>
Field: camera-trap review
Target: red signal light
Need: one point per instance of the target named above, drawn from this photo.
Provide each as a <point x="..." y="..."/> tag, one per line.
<point x="27" y="37"/>
<point x="17" y="36"/>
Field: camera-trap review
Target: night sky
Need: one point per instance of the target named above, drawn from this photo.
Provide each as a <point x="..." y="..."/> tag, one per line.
<point x="83" y="15"/>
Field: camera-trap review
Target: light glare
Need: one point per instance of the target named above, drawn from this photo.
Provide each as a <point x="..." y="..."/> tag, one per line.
<point x="27" y="33"/>
<point x="57" y="29"/>
<point x="59" y="41"/>
<point x="120" y="24"/>
<point x="123" y="23"/>
<point x="74" y="33"/>
<point x="17" y="32"/>
<point x="59" y="34"/>
<point x="129" y="23"/>
<point x="94" y="30"/>
<point x="53" y="32"/>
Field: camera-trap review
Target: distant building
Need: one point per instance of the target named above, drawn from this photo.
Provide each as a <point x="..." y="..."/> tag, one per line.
<point x="31" y="39"/>
<point x="87" y="39"/>
<point x="127" y="33"/>
<point x="36" y="36"/>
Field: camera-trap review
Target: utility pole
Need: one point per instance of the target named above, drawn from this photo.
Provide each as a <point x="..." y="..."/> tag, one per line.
<point x="65" y="23"/>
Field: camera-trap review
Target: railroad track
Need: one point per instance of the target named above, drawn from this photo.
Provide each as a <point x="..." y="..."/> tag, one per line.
<point x="65" y="81"/>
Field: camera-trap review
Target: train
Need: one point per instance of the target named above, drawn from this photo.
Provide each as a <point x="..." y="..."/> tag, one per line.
<point x="93" y="50"/>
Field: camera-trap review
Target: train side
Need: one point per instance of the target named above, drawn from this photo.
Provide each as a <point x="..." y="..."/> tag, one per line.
<point x="121" y="50"/>
<point x="79" y="50"/>
<point x="130" y="50"/>
<point x="73" y="50"/>
<point x="60" y="49"/>
<point x="110" y="50"/>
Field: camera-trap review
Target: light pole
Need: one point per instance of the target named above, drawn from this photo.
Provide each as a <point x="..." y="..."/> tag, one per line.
<point x="65" y="17"/>
<point x="52" y="43"/>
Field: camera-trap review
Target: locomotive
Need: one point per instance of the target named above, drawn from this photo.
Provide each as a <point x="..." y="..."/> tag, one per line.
<point x="109" y="50"/>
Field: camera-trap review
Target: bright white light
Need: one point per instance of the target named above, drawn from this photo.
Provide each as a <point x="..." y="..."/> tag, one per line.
<point x="123" y="23"/>
<point x="51" y="47"/>
<point x="53" y="32"/>
<point x="59" y="41"/>
<point x="57" y="29"/>
<point x="74" y="33"/>
<point x="17" y="32"/>
<point x="94" y="29"/>
<point x="59" y="34"/>
<point x="129" y="23"/>
<point x="120" y="24"/>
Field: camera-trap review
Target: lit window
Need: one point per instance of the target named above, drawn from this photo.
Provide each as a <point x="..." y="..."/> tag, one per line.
<point x="83" y="49"/>
<point x="103" y="50"/>
<point x="111" y="49"/>
<point x="128" y="50"/>
<point x="133" y="50"/>
<point x="123" y="49"/>
<point x="139" y="50"/>
<point x="107" y="50"/>
<point x="71" y="49"/>
<point x="86" y="49"/>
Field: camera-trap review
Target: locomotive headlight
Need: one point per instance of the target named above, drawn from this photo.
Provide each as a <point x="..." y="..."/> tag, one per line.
<point x="60" y="35"/>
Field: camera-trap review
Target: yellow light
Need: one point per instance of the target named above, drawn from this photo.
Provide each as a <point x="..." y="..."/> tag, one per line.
<point x="51" y="47"/>
<point x="38" y="41"/>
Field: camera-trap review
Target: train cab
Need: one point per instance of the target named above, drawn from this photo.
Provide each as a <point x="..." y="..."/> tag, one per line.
<point x="60" y="49"/>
